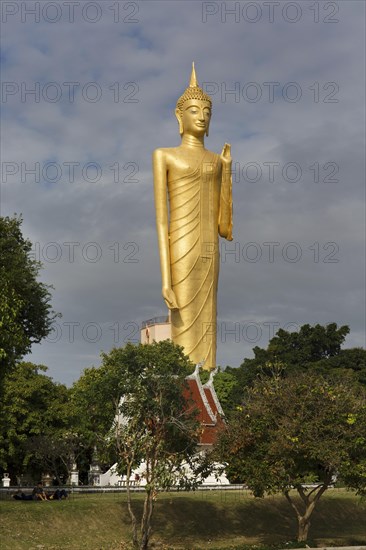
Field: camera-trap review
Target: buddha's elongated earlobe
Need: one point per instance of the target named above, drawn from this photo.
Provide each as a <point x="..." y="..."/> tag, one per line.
<point x="179" y="119"/>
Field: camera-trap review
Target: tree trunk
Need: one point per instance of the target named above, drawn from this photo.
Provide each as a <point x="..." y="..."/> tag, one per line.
<point x="146" y="520"/>
<point x="130" y="510"/>
<point x="303" y="531"/>
<point x="308" y="507"/>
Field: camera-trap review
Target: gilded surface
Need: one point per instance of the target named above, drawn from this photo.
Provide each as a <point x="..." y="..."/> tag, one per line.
<point x="196" y="183"/>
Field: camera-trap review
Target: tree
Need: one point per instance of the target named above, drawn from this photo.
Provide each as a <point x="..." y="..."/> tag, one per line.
<point x="25" y="310"/>
<point x="348" y="362"/>
<point x="33" y="405"/>
<point x="56" y="452"/>
<point x="298" y="350"/>
<point x="309" y="344"/>
<point x="93" y="399"/>
<point x="295" y="431"/>
<point x="313" y="348"/>
<point x="45" y="427"/>
<point x="156" y="425"/>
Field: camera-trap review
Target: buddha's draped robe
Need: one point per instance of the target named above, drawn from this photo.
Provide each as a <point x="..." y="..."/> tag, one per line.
<point x="194" y="255"/>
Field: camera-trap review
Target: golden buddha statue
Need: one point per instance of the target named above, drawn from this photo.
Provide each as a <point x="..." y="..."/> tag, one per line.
<point x="197" y="184"/>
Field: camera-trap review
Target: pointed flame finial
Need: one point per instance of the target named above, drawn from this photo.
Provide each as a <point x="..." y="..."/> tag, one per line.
<point x="193" y="82"/>
<point x="193" y="92"/>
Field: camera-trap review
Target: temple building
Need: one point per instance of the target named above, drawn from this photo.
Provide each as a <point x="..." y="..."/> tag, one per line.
<point x="201" y="396"/>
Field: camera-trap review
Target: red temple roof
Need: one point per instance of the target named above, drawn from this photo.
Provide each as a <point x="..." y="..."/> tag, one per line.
<point x="204" y="398"/>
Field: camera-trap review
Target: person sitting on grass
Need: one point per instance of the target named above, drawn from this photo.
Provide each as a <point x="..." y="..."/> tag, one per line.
<point x="38" y="492"/>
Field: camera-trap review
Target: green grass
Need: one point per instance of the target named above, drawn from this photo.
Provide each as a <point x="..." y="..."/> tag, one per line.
<point x="192" y="521"/>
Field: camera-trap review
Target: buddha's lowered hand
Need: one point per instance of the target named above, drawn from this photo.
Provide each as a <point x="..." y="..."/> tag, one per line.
<point x="170" y="298"/>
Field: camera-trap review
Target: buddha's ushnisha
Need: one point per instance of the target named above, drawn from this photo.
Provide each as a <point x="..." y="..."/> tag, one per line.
<point x="197" y="184"/>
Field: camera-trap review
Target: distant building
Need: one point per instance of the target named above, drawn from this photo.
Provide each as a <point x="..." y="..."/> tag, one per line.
<point x="156" y="329"/>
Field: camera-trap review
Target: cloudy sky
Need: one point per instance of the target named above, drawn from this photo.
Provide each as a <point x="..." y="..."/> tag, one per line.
<point x="89" y="90"/>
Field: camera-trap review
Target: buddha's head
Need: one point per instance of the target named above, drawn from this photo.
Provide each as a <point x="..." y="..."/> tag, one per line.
<point x="193" y="110"/>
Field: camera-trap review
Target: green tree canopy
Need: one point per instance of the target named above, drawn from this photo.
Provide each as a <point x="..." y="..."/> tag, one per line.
<point x="94" y="397"/>
<point x="25" y="310"/>
<point x="315" y="349"/>
<point x="33" y="406"/>
<point x="298" y="350"/>
<point x="351" y="362"/>
<point x="295" y="431"/>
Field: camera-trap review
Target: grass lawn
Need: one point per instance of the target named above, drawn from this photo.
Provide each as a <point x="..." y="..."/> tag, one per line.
<point x="202" y="520"/>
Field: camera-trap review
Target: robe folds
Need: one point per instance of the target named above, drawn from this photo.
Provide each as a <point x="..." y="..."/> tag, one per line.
<point x="194" y="206"/>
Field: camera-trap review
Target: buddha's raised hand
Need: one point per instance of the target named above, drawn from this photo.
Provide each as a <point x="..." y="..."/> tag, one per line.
<point x="226" y="155"/>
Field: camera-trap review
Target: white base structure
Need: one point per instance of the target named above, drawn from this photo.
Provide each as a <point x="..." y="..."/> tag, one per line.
<point x="137" y="479"/>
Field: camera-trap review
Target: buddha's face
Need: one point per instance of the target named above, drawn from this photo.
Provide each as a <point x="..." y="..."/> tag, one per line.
<point x="195" y="119"/>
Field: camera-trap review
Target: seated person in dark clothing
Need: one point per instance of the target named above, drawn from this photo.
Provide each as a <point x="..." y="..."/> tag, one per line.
<point x="38" y="492"/>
